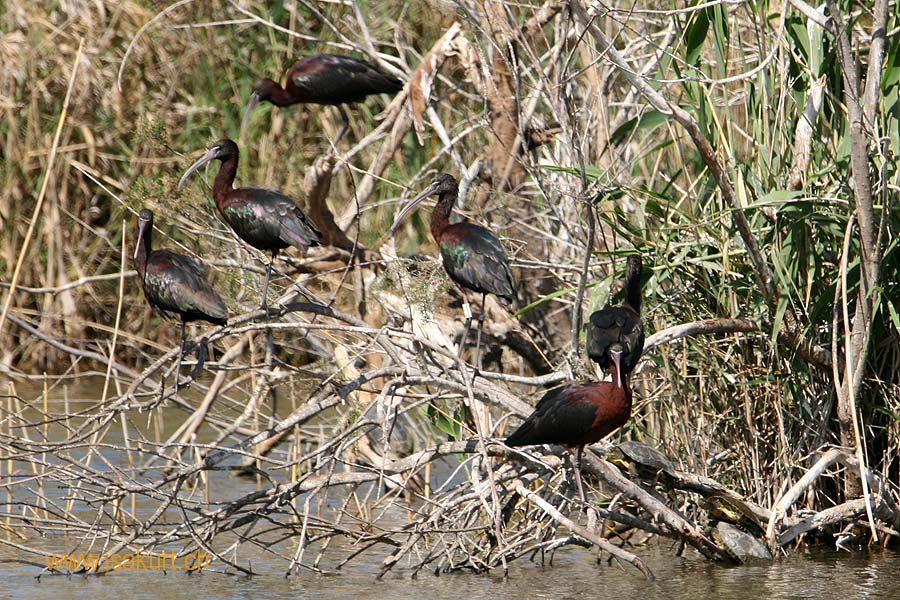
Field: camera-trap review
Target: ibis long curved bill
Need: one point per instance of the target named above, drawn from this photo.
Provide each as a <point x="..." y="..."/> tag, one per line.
<point x="615" y="352"/>
<point x="211" y="154"/>
<point x="251" y="104"/>
<point x="412" y="204"/>
<point x="142" y="227"/>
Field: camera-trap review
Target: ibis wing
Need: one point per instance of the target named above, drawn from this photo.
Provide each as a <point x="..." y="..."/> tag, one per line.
<point x="176" y="284"/>
<point x="634" y="346"/>
<point x="263" y="217"/>
<point x="611" y="325"/>
<point x="562" y="416"/>
<point x="604" y="329"/>
<point x="475" y="258"/>
<point x="331" y="78"/>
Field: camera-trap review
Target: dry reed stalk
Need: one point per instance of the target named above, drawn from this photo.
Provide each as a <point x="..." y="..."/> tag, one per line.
<point x="112" y="346"/>
<point x="42" y="194"/>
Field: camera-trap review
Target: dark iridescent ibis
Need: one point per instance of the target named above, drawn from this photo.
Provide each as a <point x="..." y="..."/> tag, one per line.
<point x="175" y="284"/>
<point x="577" y="415"/>
<point x="619" y="325"/>
<point x="472" y="255"/>
<point x="324" y="79"/>
<point x="266" y="219"/>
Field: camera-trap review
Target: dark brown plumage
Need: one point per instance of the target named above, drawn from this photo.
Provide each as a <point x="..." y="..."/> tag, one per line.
<point x="175" y="284"/>
<point x="577" y="415"/>
<point x="324" y="79"/>
<point x="471" y="254"/>
<point x="619" y="325"/>
<point x="266" y="219"/>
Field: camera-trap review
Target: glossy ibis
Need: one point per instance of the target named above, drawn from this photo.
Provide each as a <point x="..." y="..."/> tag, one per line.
<point x="619" y="325"/>
<point x="175" y="284"/>
<point x="577" y="415"/>
<point x="472" y="255"/>
<point x="324" y="79"/>
<point x="266" y="219"/>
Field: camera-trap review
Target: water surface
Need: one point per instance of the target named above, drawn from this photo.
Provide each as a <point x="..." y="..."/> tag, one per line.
<point x="574" y="573"/>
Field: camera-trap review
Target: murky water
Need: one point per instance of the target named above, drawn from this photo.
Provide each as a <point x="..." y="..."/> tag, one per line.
<point x="574" y="573"/>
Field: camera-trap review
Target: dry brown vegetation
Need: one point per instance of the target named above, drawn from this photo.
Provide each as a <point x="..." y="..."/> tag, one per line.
<point x="745" y="149"/>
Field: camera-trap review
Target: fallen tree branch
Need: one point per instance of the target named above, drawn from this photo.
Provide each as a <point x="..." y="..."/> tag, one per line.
<point x="657" y="509"/>
<point x="814" y="354"/>
<point x="600" y="542"/>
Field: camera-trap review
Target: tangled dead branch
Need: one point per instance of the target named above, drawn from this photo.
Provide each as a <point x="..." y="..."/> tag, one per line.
<point x="472" y="504"/>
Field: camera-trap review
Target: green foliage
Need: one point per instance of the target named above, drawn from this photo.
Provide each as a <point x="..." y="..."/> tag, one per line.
<point x="695" y="36"/>
<point x="151" y="130"/>
<point x="452" y="425"/>
<point x="648" y="120"/>
<point x="699" y="265"/>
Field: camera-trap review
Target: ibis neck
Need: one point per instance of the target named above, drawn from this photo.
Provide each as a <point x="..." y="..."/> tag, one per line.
<point x="145" y="247"/>
<point x="440" y="218"/>
<point x="626" y="390"/>
<point x="224" y="182"/>
<point x="280" y="96"/>
<point x="615" y="373"/>
<point x="628" y="398"/>
<point x="633" y="290"/>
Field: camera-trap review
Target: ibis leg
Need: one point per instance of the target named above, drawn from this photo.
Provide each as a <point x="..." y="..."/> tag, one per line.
<point x="265" y="291"/>
<point x="162" y="385"/>
<point x="274" y="394"/>
<point x="477" y="360"/>
<point x="270" y="349"/>
<point x="577" y="463"/>
<point x="202" y="353"/>
<point x="345" y="127"/>
<point x="467" y="312"/>
<point x="180" y="355"/>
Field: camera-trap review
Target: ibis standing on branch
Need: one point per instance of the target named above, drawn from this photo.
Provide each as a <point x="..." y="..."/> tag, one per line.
<point x="472" y="255"/>
<point x="266" y="219"/>
<point x="576" y="415"/>
<point x="175" y="284"/>
<point x="324" y="79"/>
